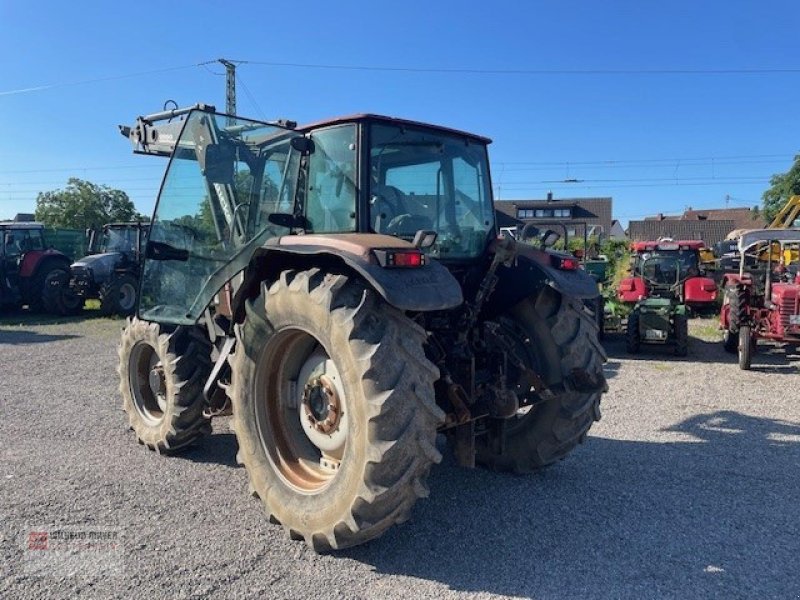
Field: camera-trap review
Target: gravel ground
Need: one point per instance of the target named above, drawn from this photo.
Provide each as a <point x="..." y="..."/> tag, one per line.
<point x="688" y="487"/>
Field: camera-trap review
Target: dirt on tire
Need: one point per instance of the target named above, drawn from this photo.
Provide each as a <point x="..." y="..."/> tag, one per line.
<point x="388" y="384"/>
<point x="563" y="338"/>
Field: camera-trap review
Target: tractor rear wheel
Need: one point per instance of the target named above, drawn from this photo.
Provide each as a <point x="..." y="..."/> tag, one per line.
<point x="557" y="339"/>
<point x="745" y="347"/>
<point x="161" y="378"/>
<point x="118" y="296"/>
<point x="58" y="298"/>
<point x="334" y="409"/>
<point x="681" y="323"/>
<point x="632" y="340"/>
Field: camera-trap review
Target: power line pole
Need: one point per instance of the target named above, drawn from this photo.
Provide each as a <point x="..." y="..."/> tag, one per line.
<point x="230" y="88"/>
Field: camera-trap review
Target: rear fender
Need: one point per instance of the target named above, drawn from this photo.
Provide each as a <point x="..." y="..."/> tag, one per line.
<point x="45" y="259"/>
<point x="528" y="274"/>
<point x="631" y="289"/>
<point x="426" y="288"/>
<point x="700" y="290"/>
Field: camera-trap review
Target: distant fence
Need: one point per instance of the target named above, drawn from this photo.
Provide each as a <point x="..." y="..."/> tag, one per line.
<point x="71" y="242"/>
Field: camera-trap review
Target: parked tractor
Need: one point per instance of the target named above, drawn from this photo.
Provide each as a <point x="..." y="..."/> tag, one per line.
<point x="660" y="318"/>
<point x="342" y="285"/>
<point x="110" y="272"/>
<point x="25" y="263"/>
<point x="762" y="300"/>
<point x="699" y="291"/>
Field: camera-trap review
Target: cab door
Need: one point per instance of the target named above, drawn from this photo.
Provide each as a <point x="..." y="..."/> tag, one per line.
<point x="213" y="211"/>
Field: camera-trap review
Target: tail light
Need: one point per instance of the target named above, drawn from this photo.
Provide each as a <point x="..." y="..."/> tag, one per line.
<point x="709" y="286"/>
<point x="400" y="259"/>
<point x="626" y="286"/>
<point x="565" y="263"/>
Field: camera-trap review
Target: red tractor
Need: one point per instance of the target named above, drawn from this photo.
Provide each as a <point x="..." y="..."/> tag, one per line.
<point x="25" y="264"/>
<point x="762" y="300"/>
<point x="698" y="291"/>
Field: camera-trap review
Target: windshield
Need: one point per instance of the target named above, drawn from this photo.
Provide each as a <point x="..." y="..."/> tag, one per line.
<point x="118" y="240"/>
<point x="687" y="259"/>
<point x="423" y="179"/>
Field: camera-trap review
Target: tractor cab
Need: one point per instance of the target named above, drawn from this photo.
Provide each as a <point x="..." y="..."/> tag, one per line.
<point x="127" y="239"/>
<point x="697" y="290"/>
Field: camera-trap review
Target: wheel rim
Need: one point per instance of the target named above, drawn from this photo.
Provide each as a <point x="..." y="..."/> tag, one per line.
<point x="127" y="296"/>
<point x="147" y="383"/>
<point x="301" y="411"/>
<point x="518" y="380"/>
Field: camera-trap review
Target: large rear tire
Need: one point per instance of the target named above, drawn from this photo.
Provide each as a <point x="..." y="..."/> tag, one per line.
<point x="334" y="408"/>
<point x="557" y="339"/>
<point x="161" y="378"/>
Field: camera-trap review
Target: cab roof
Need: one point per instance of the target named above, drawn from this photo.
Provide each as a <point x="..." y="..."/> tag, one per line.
<point x="20" y="225"/>
<point x="668" y="244"/>
<point x="369" y="117"/>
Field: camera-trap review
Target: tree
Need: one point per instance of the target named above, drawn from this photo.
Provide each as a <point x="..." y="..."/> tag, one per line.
<point x="783" y="186"/>
<point x="84" y="204"/>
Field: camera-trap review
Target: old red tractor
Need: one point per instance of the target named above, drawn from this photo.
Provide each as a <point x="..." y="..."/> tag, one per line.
<point x="25" y="264"/>
<point x="762" y="300"/>
<point x="698" y="291"/>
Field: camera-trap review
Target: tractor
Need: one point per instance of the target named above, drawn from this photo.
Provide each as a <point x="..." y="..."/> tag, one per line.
<point x="762" y="300"/>
<point x="341" y="288"/>
<point x="661" y="317"/>
<point x="110" y="272"/>
<point x="699" y="292"/>
<point x="25" y="264"/>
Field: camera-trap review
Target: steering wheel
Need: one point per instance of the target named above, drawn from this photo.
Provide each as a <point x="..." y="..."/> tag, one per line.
<point x="388" y="197"/>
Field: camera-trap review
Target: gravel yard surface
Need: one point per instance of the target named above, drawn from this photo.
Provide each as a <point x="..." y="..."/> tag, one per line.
<point x="688" y="487"/>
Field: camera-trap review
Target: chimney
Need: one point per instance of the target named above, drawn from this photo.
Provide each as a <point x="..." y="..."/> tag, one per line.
<point x="660" y="216"/>
<point x="549" y="196"/>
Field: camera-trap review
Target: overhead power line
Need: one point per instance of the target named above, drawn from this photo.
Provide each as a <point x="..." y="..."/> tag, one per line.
<point x="420" y="69"/>
<point x="50" y="86"/>
<point x="474" y="71"/>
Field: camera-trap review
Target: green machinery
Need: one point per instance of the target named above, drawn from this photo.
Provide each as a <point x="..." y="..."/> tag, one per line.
<point x="661" y="317"/>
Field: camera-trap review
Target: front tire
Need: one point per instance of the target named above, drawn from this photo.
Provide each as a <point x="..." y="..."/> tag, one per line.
<point x="681" y="323"/>
<point x="161" y="378"/>
<point x="38" y="286"/>
<point x="118" y="296"/>
<point x="745" y="347"/>
<point x="334" y="408"/>
<point x="632" y="340"/>
<point x="558" y="338"/>
<point x="59" y="299"/>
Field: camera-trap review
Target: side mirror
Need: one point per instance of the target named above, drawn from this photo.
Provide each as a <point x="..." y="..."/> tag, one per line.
<point x="549" y="238"/>
<point x="529" y="232"/>
<point x="303" y="145"/>
<point x="219" y="160"/>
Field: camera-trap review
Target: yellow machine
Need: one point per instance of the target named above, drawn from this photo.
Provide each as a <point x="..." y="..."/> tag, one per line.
<point x="788" y="216"/>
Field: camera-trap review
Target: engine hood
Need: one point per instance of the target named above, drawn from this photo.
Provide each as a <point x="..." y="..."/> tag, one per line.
<point x="102" y="265"/>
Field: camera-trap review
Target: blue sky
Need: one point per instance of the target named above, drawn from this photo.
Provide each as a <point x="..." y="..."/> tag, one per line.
<point x="654" y="142"/>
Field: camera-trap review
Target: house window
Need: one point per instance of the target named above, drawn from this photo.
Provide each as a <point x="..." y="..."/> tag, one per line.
<point x="524" y="213"/>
